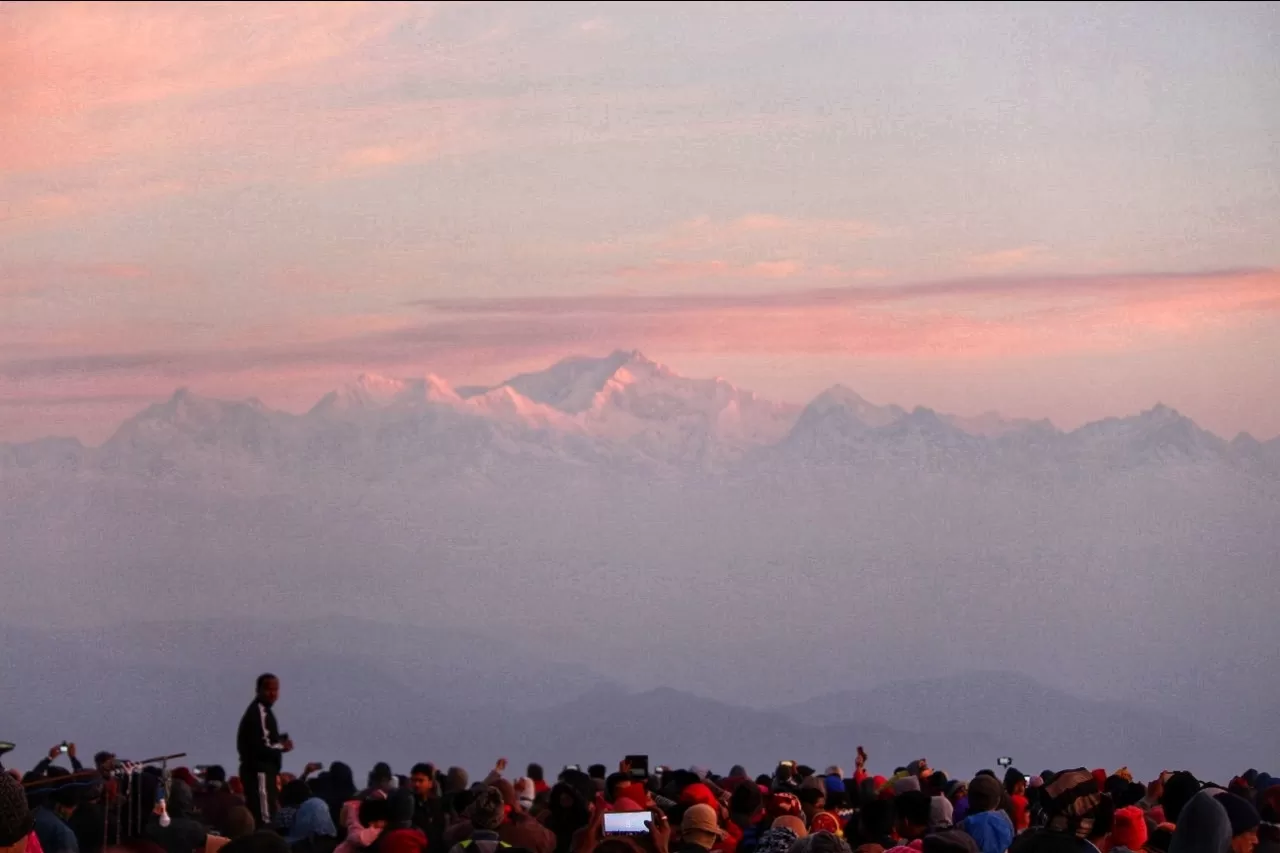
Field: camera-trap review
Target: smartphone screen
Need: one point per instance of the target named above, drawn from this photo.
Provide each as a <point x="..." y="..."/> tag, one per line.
<point x="626" y="823"/>
<point x="639" y="766"/>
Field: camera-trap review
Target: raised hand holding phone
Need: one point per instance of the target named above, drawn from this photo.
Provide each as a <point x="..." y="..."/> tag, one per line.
<point x="594" y="833"/>
<point x="659" y="832"/>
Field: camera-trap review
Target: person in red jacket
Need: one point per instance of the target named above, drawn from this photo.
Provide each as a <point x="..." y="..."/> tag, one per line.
<point x="400" y="835"/>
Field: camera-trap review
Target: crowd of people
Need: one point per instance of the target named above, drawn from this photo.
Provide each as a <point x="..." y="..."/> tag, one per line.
<point x="795" y="809"/>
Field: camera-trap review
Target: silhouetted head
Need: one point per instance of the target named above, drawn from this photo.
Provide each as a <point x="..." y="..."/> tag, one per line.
<point x="268" y="689"/>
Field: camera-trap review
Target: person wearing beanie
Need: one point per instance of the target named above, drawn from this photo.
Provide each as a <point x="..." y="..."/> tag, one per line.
<point x="16" y="820"/>
<point x="777" y="839"/>
<point x="940" y="813"/>
<point x="496" y="821"/>
<point x="1244" y="822"/>
<point x="1075" y="820"/>
<point x="985" y="794"/>
<point x="1016" y="805"/>
<point x="987" y="824"/>
<point x="826" y="822"/>
<point x="1129" y="831"/>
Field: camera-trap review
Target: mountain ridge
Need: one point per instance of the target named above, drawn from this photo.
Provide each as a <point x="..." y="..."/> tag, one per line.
<point x="857" y="543"/>
<point x="629" y="400"/>
<point x="182" y="683"/>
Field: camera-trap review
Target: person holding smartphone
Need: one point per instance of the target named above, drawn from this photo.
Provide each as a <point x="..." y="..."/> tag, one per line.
<point x="55" y="752"/>
<point x="262" y="749"/>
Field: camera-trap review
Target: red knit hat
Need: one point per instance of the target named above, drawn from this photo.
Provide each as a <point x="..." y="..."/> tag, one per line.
<point x="782" y="804"/>
<point x="1130" y="828"/>
<point x="698" y="793"/>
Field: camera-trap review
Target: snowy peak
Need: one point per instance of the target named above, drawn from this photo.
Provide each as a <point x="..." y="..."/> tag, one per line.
<point x="186" y="427"/>
<point x="188" y="412"/>
<point x="840" y="420"/>
<point x="841" y="402"/>
<point x="370" y="392"/>
<point x="644" y="407"/>
<point x="995" y="425"/>
<point x="573" y="385"/>
<point x="507" y="405"/>
<point x="1157" y="432"/>
<point x="623" y="409"/>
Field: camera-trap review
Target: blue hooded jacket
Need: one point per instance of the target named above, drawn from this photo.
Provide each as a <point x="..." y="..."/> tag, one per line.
<point x="993" y="831"/>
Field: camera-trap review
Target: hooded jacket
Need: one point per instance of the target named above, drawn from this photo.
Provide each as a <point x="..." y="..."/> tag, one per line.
<point x="359" y="836"/>
<point x="312" y="819"/>
<point x="991" y="831"/>
<point x="1203" y="827"/>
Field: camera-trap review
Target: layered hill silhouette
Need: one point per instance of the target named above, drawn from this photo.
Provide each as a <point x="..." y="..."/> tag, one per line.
<point x="364" y="692"/>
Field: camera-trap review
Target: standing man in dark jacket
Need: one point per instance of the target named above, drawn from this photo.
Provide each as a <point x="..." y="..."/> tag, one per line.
<point x="261" y="748"/>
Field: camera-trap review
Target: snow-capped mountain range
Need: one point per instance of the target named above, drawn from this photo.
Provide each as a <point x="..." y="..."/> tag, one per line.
<point x="663" y="531"/>
<point x="623" y="409"/>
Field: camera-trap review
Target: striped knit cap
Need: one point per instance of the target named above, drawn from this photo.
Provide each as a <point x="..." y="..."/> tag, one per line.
<point x="15" y="817"/>
<point x="1070" y="801"/>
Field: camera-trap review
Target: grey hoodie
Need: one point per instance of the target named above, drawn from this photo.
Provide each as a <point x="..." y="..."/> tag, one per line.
<point x="1203" y="827"/>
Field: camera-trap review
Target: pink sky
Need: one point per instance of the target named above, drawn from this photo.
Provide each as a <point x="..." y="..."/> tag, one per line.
<point x="266" y="200"/>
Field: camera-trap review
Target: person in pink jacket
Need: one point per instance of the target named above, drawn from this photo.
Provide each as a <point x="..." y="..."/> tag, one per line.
<point x="359" y="836"/>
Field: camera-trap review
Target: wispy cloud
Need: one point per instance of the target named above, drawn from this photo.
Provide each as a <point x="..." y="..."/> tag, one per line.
<point x="38" y="401"/>
<point x="979" y="317"/>
<point x="666" y="271"/>
<point x="759" y="232"/>
<point x="1008" y="259"/>
<point x="1236" y="286"/>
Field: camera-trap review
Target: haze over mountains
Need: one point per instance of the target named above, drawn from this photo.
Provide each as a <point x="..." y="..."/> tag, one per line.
<point x="639" y="530"/>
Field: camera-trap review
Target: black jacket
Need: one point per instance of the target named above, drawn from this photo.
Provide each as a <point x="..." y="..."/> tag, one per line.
<point x="258" y="740"/>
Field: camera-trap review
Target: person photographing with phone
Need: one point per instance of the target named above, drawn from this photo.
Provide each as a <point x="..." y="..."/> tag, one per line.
<point x="262" y="747"/>
<point x="55" y="752"/>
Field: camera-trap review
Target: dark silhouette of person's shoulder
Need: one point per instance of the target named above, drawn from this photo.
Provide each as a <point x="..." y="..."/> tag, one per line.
<point x="1044" y="841"/>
